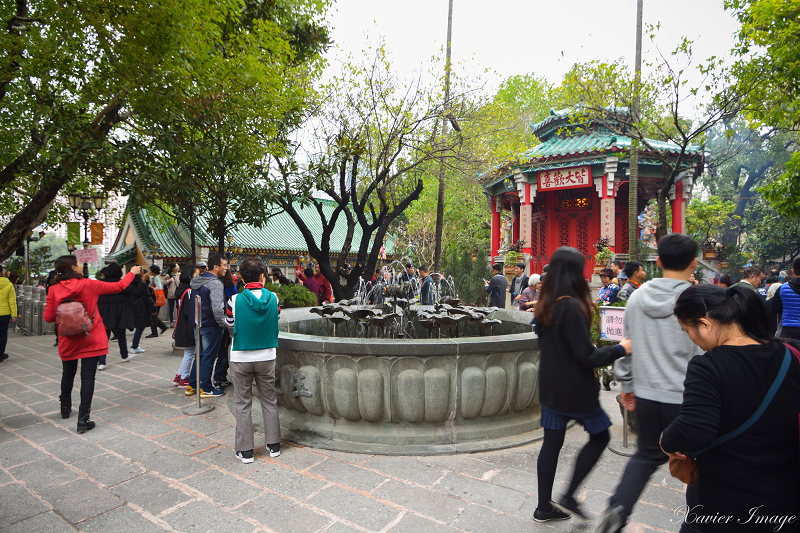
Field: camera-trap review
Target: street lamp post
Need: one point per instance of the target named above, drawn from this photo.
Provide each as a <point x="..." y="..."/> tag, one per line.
<point x="84" y="204"/>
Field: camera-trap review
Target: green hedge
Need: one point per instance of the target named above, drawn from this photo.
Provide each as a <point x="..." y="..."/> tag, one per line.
<point x="293" y="295"/>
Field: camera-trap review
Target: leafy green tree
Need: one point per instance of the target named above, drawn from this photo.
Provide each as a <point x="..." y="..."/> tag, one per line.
<point x="605" y="92"/>
<point x="85" y="86"/>
<point x="769" y="64"/>
<point x="709" y="219"/>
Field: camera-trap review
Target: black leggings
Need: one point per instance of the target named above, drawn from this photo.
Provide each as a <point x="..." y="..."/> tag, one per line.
<point x="88" y="371"/>
<point x="548" y="461"/>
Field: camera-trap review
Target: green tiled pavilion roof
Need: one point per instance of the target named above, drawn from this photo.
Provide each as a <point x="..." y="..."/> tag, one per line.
<point x="278" y="233"/>
<point x="592" y="143"/>
<point x="123" y="255"/>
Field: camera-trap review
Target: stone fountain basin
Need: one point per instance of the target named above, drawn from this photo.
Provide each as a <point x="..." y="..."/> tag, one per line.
<point x="407" y="396"/>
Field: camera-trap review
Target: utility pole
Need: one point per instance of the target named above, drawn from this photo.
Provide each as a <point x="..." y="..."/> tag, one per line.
<point x="633" y="184"/>
<point x="437" y="255"/>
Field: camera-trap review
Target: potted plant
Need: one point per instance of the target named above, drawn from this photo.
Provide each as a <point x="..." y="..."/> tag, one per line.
<point x="604" y="253"/>
<point x="512" y="256"/>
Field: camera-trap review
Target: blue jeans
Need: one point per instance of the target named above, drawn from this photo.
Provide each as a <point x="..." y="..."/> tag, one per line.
<point x="137" y="335"/>
<point x="171" y="305"/>
<point x="209" y="344"/>
<point x="186" y="364"/>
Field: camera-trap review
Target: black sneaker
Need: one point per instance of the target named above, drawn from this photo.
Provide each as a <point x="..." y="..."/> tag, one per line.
<point x="225" y="384"/>
<point x="569" y="503"/>
<point x="612" y="521"/>
<point x="151" y="336"/>
<point x="550" y="516"/>
<point x="274" y="449"/>
<point x="246" y="456"/>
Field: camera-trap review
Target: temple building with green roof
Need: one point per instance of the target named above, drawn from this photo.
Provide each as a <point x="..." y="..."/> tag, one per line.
<point x="572" y="189"/>
<point x="278" y="243"/>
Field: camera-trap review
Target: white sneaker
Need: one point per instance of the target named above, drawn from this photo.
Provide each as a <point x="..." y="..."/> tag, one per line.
<point x="131" y="355"/>
<point x="136" y="350"/>
<point x="101" y="367"/>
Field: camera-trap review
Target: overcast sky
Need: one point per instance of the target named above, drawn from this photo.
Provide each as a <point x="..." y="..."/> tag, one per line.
<point x="516" y="37"/>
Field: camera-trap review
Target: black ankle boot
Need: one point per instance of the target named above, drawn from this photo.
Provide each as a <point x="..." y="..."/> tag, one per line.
<point x="66" y="407"/>
<point x="84" y="424"/>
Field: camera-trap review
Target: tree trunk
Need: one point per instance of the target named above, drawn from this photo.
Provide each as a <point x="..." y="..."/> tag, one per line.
<point x="437" y="254"/>
<point x="17" y="230"/>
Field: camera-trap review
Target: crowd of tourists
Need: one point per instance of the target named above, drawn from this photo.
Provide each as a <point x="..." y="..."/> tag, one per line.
<point x="711" y="370"/>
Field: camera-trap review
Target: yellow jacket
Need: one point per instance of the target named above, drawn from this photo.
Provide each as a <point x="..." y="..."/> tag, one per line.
<point x="8" y="298"/>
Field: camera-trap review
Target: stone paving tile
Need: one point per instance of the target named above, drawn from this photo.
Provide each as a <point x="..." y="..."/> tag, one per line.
<point x="164" y="412"/>
<point x="514" y="479"/>
<point x="172" y="464"/>
<point x="300" y="457"/>
<point x="341" y="527"/>
<point x="18" y="504"/>
<point x="426" y="502"/>
<point x="223" y="488"/>
<point x="356" y="477"/>
<point x="6" y="436"/>
<point x="468" y="465"/>
<point x="109" y="469"/>
<point x="115" y="414"/>
<point x="150" y="493"/>
<point x="183" y="441"/>
<point x="481" y="492"/>
<point x="275" y="477"/>
<point x="44" y="433"/>
<point x="44" y="408"/>
<point x="411" y="523"/>
<point x="21" y="420"/>
<point x="5" y="478"/>
<point x="403" y="468"/>
<point x="200" y="424"/>
<point x="131" y="446"/>
<point x="102" y="431"/>
<point x="28" y="397"/>
<point x="120" y="520"/>
<point x="148" y="427"/>
<point x="479" y="518"/>
<point x="80" y="500"/>
<point x="43" y="474"/>
<point x="355" y="508"/>
<point x="203" y="517"/>
<point x="280" y="514"/>
<point x="9" y="409"/>
<point x="17" y="452"/>
<point x="73" y="449"/>
<point x="46" y="522"/>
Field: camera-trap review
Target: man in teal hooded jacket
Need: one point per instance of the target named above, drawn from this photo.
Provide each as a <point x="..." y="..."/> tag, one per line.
<point x="253" y="315"/>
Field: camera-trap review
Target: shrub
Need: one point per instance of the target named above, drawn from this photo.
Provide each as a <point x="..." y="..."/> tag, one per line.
<point x="293" y="295"/>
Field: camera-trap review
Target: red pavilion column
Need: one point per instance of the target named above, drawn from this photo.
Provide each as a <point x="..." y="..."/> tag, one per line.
<point x="678" y="210"/>
<point x="496" y="206"/>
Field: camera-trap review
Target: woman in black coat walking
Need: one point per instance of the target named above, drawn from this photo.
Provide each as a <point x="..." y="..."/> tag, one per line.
<point x="115" y="309"/>
<point x="142" y="307"/>
<point x="567" y="385"/>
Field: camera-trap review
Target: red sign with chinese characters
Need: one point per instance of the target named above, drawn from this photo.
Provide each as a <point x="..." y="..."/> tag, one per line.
<point x="564" y="178"/>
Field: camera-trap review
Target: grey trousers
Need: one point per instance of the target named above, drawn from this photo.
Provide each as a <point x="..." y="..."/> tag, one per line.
<point x="242" y="375"/>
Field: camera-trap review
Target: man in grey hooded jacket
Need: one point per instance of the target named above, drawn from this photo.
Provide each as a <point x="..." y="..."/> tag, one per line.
<point x="209" y="289"/>
<point x="652" y="376"/>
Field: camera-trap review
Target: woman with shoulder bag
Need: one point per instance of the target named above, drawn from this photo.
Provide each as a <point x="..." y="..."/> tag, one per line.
<point x="171" y="283"/>
<point x="567" y="384"/>
<point x="86" y="347"/>
<point x="739" y="416"/>
<point x="116" y="312"/>
<point x="157" y="294"/>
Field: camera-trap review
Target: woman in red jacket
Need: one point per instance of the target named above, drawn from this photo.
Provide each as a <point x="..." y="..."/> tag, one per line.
<point x="70" y="283"/>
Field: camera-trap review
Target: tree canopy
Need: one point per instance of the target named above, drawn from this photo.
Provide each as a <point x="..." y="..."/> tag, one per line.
<point x="89" y="88"/>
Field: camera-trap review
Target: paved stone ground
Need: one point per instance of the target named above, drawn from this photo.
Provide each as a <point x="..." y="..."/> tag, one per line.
<point x="148" y="467"/>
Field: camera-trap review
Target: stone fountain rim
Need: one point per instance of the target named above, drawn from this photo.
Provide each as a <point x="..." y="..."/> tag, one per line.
<point x="394" y="347"/>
